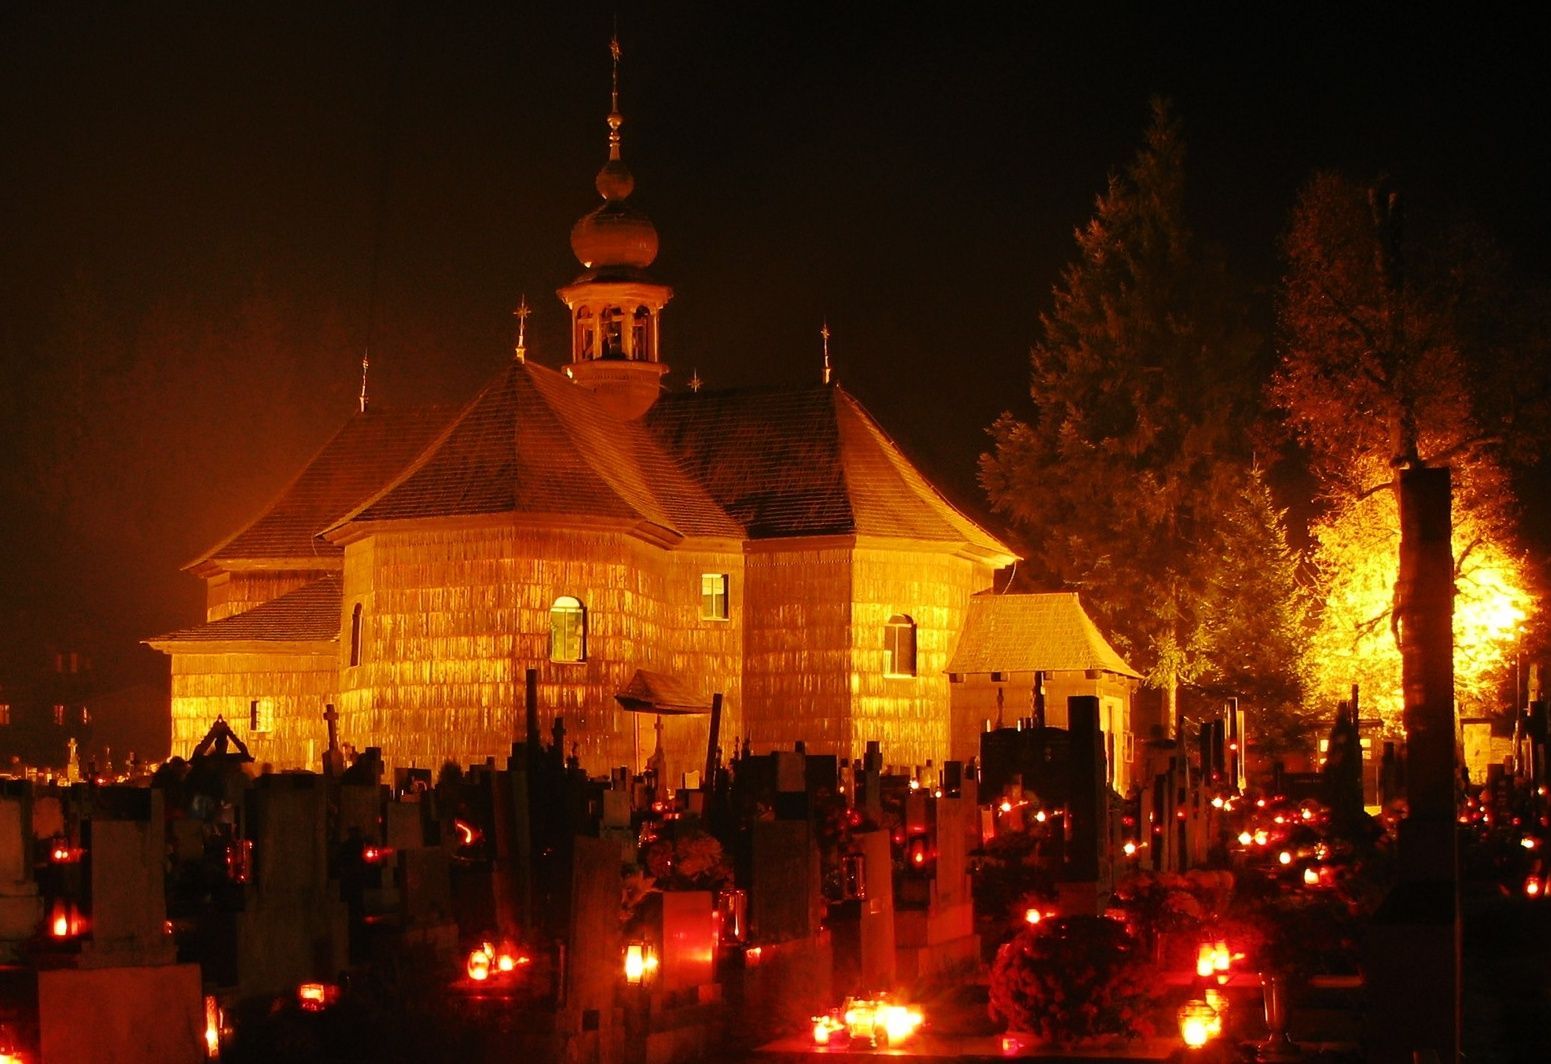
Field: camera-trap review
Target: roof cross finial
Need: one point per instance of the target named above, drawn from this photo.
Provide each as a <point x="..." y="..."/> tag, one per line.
<point x="615" y="118"/>
<point x="824" y="332"/>
<point x="521" y="314"/>
<point x="366" y="363"/>
<point x="695" y="383"/>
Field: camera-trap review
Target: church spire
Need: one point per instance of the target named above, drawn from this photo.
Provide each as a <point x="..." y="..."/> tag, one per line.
<point x="615" y="306"/>
<point x="615" y="118"/>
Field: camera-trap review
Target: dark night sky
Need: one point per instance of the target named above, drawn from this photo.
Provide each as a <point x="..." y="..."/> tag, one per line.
<point x="192" y="196"/>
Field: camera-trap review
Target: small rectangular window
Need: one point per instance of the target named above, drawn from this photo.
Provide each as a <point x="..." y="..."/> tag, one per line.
<point x="86" y="715"/>
<point x="261" y="716"/>
<point x="59" y="713"/>
<point x="5" y="713"/>
<point x="713" y="596"/>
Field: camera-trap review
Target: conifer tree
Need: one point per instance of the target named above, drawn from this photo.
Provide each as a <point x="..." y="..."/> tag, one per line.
<point x="1122" y="480"/>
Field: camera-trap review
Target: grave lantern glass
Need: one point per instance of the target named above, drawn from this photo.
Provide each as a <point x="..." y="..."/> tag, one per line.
<point x="1198" y="1023"/>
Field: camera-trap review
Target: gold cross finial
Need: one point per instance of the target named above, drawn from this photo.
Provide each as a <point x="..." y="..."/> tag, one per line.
<point x="521" y="314"/>
<point x="824" y="332"/>
<point x="366" y="362"/>
<point x="695" y="383"/>
<point x="615" y="118"/>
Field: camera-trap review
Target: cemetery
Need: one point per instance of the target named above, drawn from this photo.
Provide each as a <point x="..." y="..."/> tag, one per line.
<point x="779" y="906"/>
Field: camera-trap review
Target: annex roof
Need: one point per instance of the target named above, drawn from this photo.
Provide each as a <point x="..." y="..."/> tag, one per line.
<point x="310" y="613"/>
<point x="366" y="452"/>
<point x="1033" y="632"/>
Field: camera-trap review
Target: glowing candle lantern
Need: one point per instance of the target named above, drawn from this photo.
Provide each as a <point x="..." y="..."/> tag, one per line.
<point x="1032" y="916"/>
<point x="64" y="921"/>
<point x="478" y="965"/>
<point x="1205" y="965"/>
<point x="1285" y="857"/>
<point x="1245" y="838"/>
<point x="1129" y="848"/>
<point x="1222" y="960"/>
<point x="1261" y="838"/>
<point x="1197" y="1020"/>
<point x="1311" y="877"/>
<point x="640" y="963"/>
<point x="315" y="997"/>
<point x="1532" y="886"/>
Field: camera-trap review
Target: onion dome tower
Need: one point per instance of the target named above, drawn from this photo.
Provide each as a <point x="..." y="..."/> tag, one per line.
<point x="615" y="307"/>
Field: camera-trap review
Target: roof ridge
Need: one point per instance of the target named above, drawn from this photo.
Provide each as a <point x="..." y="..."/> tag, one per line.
<point x="427" y="452"/>
<point x="922" y="486"/>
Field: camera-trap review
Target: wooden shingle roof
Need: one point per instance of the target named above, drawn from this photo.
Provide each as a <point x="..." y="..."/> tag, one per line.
<point x="807" y="461"/>
<point x="310" y="613"/>
<point x="360" y="458"/>
<point x="1031" y="633"/>
<point x="532" y="441"/>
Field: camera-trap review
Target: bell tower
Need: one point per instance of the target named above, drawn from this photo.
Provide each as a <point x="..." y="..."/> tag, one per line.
<point x="615" y="307"/>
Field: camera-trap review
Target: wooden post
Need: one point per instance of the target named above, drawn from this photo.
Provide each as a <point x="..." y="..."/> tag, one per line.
<point x="707" y="782"/>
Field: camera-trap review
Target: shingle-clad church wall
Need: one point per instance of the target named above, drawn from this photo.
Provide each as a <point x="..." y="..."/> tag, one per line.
<point x="797" y="678"/>
<point x="909" y="715"/>
<point x="234" y="593"/>
<point x="296" y="687"/>
<point x="452" y="618"/>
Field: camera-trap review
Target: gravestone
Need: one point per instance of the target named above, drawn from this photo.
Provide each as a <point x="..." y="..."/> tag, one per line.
<point x="20" y="908"/>
<point x="784" y="894"/>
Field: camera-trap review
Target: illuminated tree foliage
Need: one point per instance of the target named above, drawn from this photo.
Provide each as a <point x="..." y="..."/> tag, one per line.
<point x="1132" y="481"/>
<point x="1396" y="352"/>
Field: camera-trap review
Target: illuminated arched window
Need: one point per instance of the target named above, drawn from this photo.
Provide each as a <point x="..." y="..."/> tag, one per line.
<point x="584" y="334"/>
<point x="567" y="630"/>
<point x="899" y="646"/>
<point x="355" y="635"/>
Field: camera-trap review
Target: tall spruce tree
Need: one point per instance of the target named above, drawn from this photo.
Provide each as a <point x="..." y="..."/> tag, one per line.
<point x="1131" y="481"/>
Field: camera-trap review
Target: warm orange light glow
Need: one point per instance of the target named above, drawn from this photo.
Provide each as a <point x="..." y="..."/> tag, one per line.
<point x="478" y="965"/>
<point x="65" y="921"/>
<point x="1197" y="1021"/>
<point x="1261" y="838"/>
<point x="212" y="1028"/>
<point x="1129" y="848"/>
<point x="1006" y="806"/>
<point x="1532" y="886"/>
<point x="467" y="833"/>
<point x="1245" y="838"/>
<point x="1222" y="960"/>
<point x="1358" y="561"/>
<point x="1204" y="961"/>
<point x="1529" y="842"/>
<point x="1310" y="877"/>
<point x="1032" y="916"/>
<point x="880" y="1022"/>
<point x="640" y="962"/>
<point x="315" y="997"/>
<point x="1285" y="857"/>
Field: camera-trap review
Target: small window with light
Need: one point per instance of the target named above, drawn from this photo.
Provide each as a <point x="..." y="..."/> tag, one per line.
<point x="567" y="630"/>
<point x="899" y="646"/>
<point x="5" y="713"/>
<point x="713" y="596"/>
<point x="261" y="716"/>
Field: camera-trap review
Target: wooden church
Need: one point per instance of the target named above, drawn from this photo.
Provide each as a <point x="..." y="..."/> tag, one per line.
<point x="640" y="549"/>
